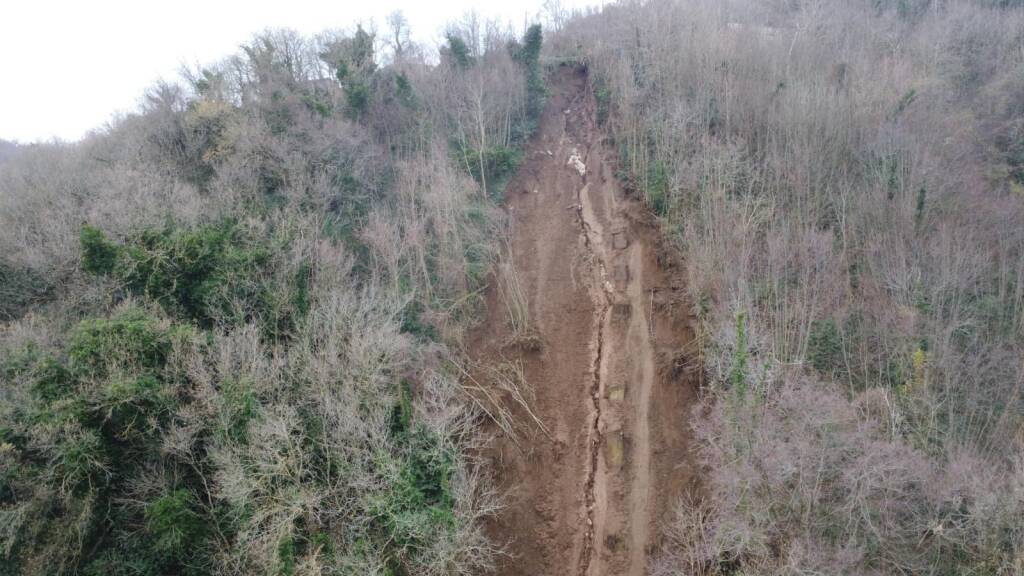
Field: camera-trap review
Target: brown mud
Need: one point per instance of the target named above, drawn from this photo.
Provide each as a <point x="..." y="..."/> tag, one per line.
<point x="610" y="377"/>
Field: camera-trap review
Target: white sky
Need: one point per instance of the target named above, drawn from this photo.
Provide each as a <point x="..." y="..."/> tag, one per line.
<point x="66" y="66"/>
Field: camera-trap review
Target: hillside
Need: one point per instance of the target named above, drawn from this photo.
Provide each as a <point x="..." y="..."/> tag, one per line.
<point x="228" y="316"/>
<point x="678" y="287"/>
<point x="844" y="180"/>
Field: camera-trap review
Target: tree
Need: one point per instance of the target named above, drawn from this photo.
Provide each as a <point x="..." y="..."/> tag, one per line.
<point x="352" y="59"/>
<point x="456" y="52"/>
<point x="529" y="55"/>
<point x="398" y="33"/>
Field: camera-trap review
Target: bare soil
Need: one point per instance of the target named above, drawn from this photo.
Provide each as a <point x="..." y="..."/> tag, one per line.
<point x="610" y="376"/>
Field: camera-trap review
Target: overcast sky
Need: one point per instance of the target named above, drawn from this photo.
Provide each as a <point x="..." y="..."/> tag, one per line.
<point x="66" y="66"/>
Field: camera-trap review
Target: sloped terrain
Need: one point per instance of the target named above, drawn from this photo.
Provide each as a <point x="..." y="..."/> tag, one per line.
<point x="589" y="484"/>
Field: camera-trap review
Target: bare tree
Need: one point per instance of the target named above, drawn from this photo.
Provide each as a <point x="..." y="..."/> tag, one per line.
<point x="398" y="33"/>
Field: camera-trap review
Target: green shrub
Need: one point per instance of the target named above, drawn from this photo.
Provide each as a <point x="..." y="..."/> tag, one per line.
<point x="429" y="467"/>
<point x="657" y="188"/>
<point x="319" y="103"/>
<point x="131" y="339"/>
<point x="191" y="271"/>
<point x="412" y="322"/>
<point x="738" y="371"/>
<point x="299" y="294"/>
<point x="239" y="406"/>
<point x="457" y="51"/>
<point x="99" y="255"/>
<point x="93" y="423"/>
<point x="479" y="257"/>
<point x="133" y="405"/>
<point x="604" y="99"/>
<point x="81" y="461"/>
<point x="72" y="412"/>
<point x="825" y="347"/>
<point x="529" y="55"/>
<point x="401" y="415"/>
<point x="499" y="163"/>
<point x="119" y="563"/>
<point x="418" y="502"/>
<point x="212" y="272"/>
<point x="322" y="544"/>
<point x="919" y="207"/>
<point x="404" y="91"/>
<point x="20" y="288"/>
<point x="1014" y="151"/>
<point x="357" y="97"/>
<point x="17" y="364"/>
<point x="51" y="380"/>
<point x="173" y="525"/>
<point x="286" y="556"/>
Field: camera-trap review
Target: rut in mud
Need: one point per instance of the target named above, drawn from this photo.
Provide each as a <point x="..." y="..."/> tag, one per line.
<point x="610" y="378"/>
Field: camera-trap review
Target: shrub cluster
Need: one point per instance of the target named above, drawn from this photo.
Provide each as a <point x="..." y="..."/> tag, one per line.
<point x="243" y="371"/>
<point x="218" y="271"/>
<point x="93" y="420"/>
<point x="843" y="180"/>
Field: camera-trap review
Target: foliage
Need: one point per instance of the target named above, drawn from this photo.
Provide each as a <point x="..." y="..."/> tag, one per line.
<point x="825" y="351"/>
<point x="21" y="287"/>
<point x="353" y="61"/>
<point x="457" y="51"/>
<point x="603" y="96"/>
<point x="173" y="524"/>
<point x="418" y="503"/>
<point x="499" y="162"/>
<point x="93" y="422"/>
<point x="206" y="384"/>
<point x="860" y="204"/>
<point x="657" y="188"/>
<point x="413" y="322"/>
<point x="99" y="255"/>
<point x="205" y="274"/>
<point x="132" y="339"/>
<point x="855" y="499"/>
<point x="528" y="54"/>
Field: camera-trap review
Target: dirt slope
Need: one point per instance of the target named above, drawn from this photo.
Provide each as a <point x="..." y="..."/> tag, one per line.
<point x="609" y="379"/>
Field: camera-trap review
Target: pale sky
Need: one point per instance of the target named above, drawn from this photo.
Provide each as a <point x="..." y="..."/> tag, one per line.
<point x="66" y="66"/>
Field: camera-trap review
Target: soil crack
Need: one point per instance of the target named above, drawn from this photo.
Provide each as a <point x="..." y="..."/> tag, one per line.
<point x="587" y="500"/>
<point x="595" y="437"/>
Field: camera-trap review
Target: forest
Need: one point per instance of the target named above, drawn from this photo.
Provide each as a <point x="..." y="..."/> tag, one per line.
<point x="236" y="323"/>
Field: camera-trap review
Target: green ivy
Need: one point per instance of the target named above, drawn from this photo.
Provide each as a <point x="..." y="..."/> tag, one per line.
<point x="825" y="347"/>
<point x="212" y="272"/>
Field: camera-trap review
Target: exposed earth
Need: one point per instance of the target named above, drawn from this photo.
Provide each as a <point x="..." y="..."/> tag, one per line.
<point x="603" y="450"/>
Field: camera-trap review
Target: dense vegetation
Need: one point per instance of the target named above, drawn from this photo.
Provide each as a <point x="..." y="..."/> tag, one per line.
<point x="228" y="318"/>
<point x="845" y="181"/>
<point x="227" y="315"/>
